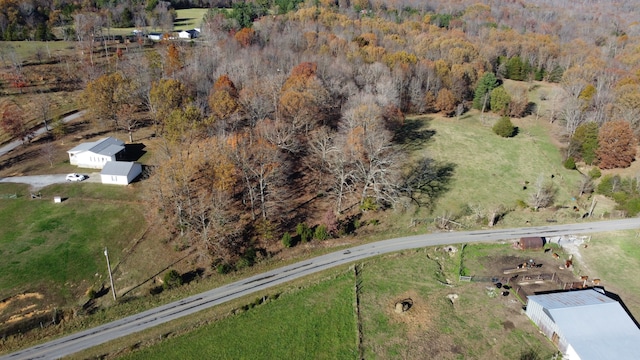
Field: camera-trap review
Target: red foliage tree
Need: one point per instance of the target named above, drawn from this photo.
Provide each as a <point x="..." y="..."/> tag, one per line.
<point x="617" y="145"/>
<point x="12" y="122"/>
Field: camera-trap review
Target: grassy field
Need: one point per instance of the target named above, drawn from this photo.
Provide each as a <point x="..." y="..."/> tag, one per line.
<point x="473" y="326"/>
<point x="57" y="249"/>
<point x="615" y="259"/>
<point x="317" y="322"/>
<point x="490" y="171"/>
<point x="28" y="49"/>
<point x="186" y="19"/>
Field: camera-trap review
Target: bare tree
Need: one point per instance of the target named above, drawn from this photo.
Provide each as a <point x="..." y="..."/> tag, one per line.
<point x="544" y="194"/>
<point x="43" y="105"/>
<point x="48" y="152"/>
<point x="586" y="185"/>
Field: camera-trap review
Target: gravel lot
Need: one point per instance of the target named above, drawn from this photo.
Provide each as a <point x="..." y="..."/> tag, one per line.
<point x="40" y="181"/>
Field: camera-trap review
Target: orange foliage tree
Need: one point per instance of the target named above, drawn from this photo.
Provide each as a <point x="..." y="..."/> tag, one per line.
<point x="303" y="97"/>
<point x="616" y="145"/>
<point x="245" y="37"/>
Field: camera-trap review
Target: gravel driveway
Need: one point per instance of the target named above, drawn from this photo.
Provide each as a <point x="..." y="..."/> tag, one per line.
<point x="40" y="181"/>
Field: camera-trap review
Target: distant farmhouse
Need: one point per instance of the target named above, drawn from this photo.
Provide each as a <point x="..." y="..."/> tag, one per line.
<point x="105" y="154"/>
<point x="189" y="34"/>
<point x="586" y="325"/>
<point x="155" y="36"/>
<point x="95" y="154"/>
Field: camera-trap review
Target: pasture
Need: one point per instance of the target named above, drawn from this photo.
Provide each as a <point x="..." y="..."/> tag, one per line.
<point x="57" y="249"/>
<point x="186" y="19"/>
<point x="317" y="322"/>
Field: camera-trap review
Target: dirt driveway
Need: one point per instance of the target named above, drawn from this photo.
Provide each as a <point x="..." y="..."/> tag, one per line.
<point x="40" y="181"/>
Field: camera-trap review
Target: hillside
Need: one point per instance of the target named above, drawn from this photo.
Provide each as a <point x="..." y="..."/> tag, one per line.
<point x="320" y="125"/>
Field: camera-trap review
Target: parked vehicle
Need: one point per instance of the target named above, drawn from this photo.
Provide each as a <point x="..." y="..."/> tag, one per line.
<point x="76" y="177"/>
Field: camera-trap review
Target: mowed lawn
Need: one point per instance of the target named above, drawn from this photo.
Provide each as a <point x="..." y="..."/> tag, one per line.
<point x="317" y="322"/>
<point x="488" y="170"/>
<point x="57" y="248"/>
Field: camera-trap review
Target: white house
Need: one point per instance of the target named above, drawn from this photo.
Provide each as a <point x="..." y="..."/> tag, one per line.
<point x="96" y="154"/>
<point x="189" y="34"/>
<point x="586" y="324"/>
<point x="155" y="36"/>
<point x="120" y="172"/>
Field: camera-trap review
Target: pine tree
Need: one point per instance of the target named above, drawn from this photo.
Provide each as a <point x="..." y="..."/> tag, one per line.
<point x="487" y="83"/>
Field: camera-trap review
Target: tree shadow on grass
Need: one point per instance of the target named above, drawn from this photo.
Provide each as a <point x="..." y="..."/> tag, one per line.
<point x="427" y="180"/>
<point x="414" y="134"/>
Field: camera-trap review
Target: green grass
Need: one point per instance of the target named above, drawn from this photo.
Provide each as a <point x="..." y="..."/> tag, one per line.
<point x="317" y="322"/>
<point x="489" y="170"/>
<point x="53" y="248"/>
<point x="186" y="19"/>
<point x="27" y="49"/>
<point x="615" y="259"/>
<point x="473" y="327"/>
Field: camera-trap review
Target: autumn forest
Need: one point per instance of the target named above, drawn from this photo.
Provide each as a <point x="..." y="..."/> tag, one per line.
<point x="279" y="103"/>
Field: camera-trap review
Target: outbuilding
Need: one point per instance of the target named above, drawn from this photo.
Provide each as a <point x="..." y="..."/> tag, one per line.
<point x="531" y="243"/>
<point x="120" y="172"/>
<point x="585" y="324"/>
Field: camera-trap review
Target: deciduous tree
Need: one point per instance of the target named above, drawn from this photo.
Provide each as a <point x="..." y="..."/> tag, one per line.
<point x="617" y="145"/>
<point x="13" y="122"/>
<point x="446" y="102"/>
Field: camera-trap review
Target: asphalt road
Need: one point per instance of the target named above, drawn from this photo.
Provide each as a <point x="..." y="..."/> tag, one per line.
<point x="76" y="342"/>
<point x="14" y="144"/>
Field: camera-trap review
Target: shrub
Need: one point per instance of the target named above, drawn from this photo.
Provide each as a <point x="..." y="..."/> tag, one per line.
<point x="521" y="204"/>
<point x="570" y="163"/>
<point x="369" y="203"/>
<point x="504" y="127"/>
<point x="608" y="184"/>
<point x="287" y="240"/>
<point x="242" y="263"/>
<point x="304" y="232"/>
<point x="224" y="268"/>
<point x="595" y="173"/>
<point x="172" y="279"/>
<point x="92" y="294"/>
<point x="321" y="233"/>
<point x="632" y="207"/>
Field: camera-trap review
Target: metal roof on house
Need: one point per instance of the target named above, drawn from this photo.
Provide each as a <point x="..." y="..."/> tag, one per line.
<point x="118" y="168"/>
<point x="596" y="326"/>
<point x="108" y="146"/>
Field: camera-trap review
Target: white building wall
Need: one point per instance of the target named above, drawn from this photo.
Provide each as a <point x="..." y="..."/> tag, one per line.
<point x="114" y="179"/>
<point x="90" y="160"/>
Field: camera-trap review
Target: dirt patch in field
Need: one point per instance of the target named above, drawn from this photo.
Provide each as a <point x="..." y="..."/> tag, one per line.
<point x="416" y="318"/>
<point x="21" y="307"/>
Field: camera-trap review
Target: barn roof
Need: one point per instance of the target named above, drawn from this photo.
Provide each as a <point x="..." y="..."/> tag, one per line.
<point x="596" y="326"/>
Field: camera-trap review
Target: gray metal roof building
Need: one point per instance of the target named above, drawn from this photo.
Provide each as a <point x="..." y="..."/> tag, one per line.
<point x="586" y="324"/>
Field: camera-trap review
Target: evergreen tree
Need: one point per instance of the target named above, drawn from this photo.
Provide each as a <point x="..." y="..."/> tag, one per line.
<point x="584" y="142"/>
<point x="500" y="100"/>
<point x="504" y="127"/>
<point x="487" y="83"/>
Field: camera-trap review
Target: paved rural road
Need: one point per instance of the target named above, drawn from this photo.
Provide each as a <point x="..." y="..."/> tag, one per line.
<point x="14" y="144"/>
<point x="144" y="320"/>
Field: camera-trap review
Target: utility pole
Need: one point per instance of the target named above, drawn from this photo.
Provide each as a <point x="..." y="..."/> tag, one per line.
<point x="113" y="289"/>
